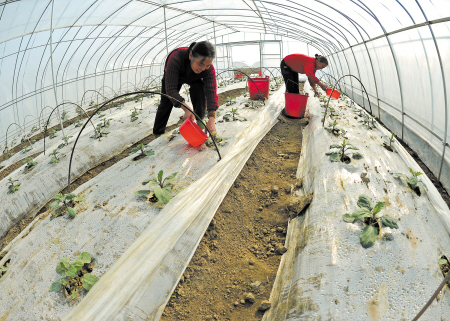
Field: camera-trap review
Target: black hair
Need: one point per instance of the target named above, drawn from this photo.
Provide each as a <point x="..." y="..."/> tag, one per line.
<point x="202" y="49"/>
<point x="322" y="59"/>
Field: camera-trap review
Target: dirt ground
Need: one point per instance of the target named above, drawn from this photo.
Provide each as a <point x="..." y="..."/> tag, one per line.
<point x="235" y="265"/>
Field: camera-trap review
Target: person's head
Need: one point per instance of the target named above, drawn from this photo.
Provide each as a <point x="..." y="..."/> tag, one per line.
<point x="321" y="62"/>
<point x="201" y="55"/>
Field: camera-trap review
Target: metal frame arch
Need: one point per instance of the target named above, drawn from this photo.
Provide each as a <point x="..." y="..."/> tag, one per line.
<point x="444" y="142"/>
<point x="25" y="134"/>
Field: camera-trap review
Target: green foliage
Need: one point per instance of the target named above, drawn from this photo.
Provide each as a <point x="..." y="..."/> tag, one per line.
<point x="65" y="141"/>
<point x="7" y="154"/>
<point x="56" y="156"/>
<point x="134" y="116"/>
<point x="66" y="199"/>
<point x="141" y="147"/>
<point x="339" y="155"/>
<point x="12" y="187"/>
<point x="368" y="121"/>
<point x="76" y="275"/>
<point x="64" y="116"/>
<point x="78" y="123"/>
<point x="332" y="128"/>
<point x="388" y="144"/>
<point x="163" y="192"/>
<point x="52" y="134"/>
<point x="29" y="164"/>
<point x="26" y="149"/>
<point x="371" y="216"/>
<point x="100" y="132"/>
<point x="230" y="101"/>
<point x="412" y="182"/>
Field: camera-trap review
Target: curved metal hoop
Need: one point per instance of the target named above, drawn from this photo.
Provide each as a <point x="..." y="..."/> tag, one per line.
<point x="128" y="94"/>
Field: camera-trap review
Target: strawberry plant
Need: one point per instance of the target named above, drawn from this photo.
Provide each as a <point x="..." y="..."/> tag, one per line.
<point x="336" y="131"/>
<point x="29" y="164"/>
<point x="64" y="116"/>
<point x="12" y="187"/>
<point x="389" y="142"/>
<point x="134" y="116"/>
<point x="340" y="156"/>
<point x="66" y="199"/>
<point x="78" y="123"/>
<point x="141" y="147"/>
<point x="163" y="192"/>
<point x="77" y="275"/>
<point x="370" y="215"/>
<point x="106" y="123"/>
<point x="26" y="149"/>
<point x="56" y="156"/>
<point x="412" y="182"/>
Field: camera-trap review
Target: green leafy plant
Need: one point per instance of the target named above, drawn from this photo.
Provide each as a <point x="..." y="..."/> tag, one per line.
<point x="52" y="134"/>
<point x="100" y="132"/>
<point x="412" y="182"/>
<point x="29" y="164"/>
<point x="64" y="116"/>
<point x="163" y="192"/>
<point x="340" y="156"/>
<point x="12" y="187"/>
<point x="91" y="103"/>
<point x="134" y="116"/>
<point x="368" y="121"/>
<point x="26" y="149"/>
<point x="336" y="131"/>
<point x="78" y="123"/>
<point x="7" y="154"/>
<point x="65" y="141"/>
<point x="106" y="123"/>
<point x="56" y="156"/>
<point x="77" y="275"/>
<point x="371" y="216"/>
<point x="444" y="264"/>
<point x="388" y="144"/>
<point x="230" y="101"/>
<point x="66" y="199"/>
<point x="141" y="147"/>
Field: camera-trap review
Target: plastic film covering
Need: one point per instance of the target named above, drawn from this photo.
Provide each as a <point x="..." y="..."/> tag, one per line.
<point x="326" y="272"/>
<point x="135" y="274"/>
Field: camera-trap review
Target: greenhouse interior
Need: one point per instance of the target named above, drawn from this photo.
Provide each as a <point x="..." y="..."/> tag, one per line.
<point x="246" y="160"/>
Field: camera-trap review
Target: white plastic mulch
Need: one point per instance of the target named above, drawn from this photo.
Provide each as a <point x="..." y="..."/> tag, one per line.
<point x="326" y="274"/>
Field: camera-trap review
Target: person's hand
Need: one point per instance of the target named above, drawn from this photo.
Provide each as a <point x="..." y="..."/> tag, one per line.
<point x="211" y="125"/>
<point x="187" y="113"/>
<point x="316" y="94"/>
<point x="324" y="88"/>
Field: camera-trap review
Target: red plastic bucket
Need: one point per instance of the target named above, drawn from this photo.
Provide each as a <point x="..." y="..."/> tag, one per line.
<point x="192" y="133"/>
<point x="335" y="94"/>
<point x="295" y="104"/>
<point x="263" y="86"/>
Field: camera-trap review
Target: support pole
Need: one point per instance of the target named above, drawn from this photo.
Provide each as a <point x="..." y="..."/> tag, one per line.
<point x="165" y="29"/>
<point x="53" y="72"/>
<point x="214" y="27"/>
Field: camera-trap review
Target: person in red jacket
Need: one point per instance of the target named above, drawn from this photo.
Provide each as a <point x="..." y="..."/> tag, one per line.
<point x="294" y="64"/>
<point x="193" y="66"/>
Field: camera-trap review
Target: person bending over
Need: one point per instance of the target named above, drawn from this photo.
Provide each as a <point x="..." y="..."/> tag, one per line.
<point x="193" y="66"/>
<point x="295" y="64"/>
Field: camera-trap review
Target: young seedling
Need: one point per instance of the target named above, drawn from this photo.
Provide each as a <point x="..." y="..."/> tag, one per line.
<point x="91" y="103"/>
<point x="141" y="147"/>
<point x="56" y="156"/>
<point x="340" y="155"/>
<point x="370" y="215"/>
<point x="412" y="182"/>
<point x="65" y="141"/>
<point x="12" y="187"/>
<point x="64" y="116"/>
<point x="7" y="154"/>
<point x="66" y="199"/>
<point x="360" y="112"/>
<point x="163" y="192"/>
<point x="52" y="134"/>
<point x="369" y="122"/>
<point x="29" y="164"/>
<point x="100" y="115"/>
<point x="106" y="123"/>
<point x="77" y="275"/>
<point x="336" y="131"/>
<point x="78" y="123"/>
<point x="100" y="132"/>
<point x="26" y="149"/>
<point x="444" y="264"/>
<point x="389" y="142"/>
<point x="230" y="101"/>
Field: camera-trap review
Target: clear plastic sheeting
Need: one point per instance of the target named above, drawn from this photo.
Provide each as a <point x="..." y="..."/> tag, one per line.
<point x="326" y="272"/>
